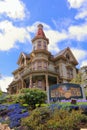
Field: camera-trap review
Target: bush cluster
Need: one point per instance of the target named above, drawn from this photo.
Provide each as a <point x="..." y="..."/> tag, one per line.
<point x="55" y="119"/>
<point x="56" y="116"/>
<point x="32" y="97"/>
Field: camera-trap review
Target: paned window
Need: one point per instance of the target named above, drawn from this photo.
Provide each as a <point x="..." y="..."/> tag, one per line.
<point x="45" y="65"/>
<point x="39" y="65"/>
<point x="45" y="46"/>
<point x="39" y="44"/>
<point x="39" y="84"/>
<point x="70" y="73"/>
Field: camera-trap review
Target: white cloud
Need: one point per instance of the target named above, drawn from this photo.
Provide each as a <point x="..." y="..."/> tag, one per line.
<point x="79" y="53"/>
<point x="4" y="82"/>
<point x="78" y="32"/>
<point x="76" y="3"/>
<point x="84" y="63"/>
<point x="54" y="38"/>
<point x="82" y="12"/>
<point x="10" y="34"/>
<point x="13" y="8"/>
<point x="81" y="6"/>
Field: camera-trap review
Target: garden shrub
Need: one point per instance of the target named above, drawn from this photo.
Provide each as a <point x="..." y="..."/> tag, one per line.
<point x="37" y="119"/>
<point x="46" y="119"/>
<point x="65" y="120"/>
<point x="2" y="97"/>
<point x="32" y="97"/>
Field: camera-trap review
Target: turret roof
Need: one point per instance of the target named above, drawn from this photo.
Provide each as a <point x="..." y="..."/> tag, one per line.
<point x="40" y="34"/>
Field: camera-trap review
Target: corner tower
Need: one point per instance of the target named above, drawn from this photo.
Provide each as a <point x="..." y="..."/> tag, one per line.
<point x="40" y="42"/>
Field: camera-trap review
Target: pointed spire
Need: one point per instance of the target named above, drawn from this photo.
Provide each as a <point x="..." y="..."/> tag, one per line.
<point x="40" y="34"/>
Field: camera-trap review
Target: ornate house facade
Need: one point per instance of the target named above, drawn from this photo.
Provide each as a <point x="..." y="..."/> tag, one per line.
<point x="40" y="68"/>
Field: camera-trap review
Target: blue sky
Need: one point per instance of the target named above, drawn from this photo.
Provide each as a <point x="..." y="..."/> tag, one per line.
<point x="64" y="21"/>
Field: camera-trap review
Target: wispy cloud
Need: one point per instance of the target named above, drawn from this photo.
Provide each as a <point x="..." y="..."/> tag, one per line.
<point x="54" y="38"/>
<point x="75" y="3"/>
<point x="78" y="32"/>
<point x="14" y="9"/>
<point x="84" y="63"/>
<point x="81" y="6"/>
<point x="4" y="82"/>
<point x="11" y="34"/>
<point x="79" y="53"/>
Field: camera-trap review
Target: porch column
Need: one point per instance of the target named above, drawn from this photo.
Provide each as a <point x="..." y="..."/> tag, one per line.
<point x="47" y="88"/>
<point x="30" y="85"/>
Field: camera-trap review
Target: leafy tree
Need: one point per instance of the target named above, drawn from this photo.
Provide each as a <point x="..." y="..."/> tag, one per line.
<point x="77" y="80"/>
<point x="32" y="97"/>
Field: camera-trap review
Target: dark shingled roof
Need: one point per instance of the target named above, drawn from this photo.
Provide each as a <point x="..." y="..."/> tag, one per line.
<point x="60" y="53"/>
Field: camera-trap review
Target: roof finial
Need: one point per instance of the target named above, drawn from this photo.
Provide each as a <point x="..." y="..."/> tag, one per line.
<point x="40" y="26"/>
<point x="40" y="31"/>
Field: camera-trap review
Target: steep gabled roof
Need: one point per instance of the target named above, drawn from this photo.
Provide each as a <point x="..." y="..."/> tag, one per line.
<point x="60" y="53"/>
<point x="63" y="52"/>
<point x="24" y="55"/>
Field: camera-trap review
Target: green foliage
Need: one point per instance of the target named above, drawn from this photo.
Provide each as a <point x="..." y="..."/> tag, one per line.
<point x="37" y="119"/>
<point x="10" y="99"/>
<point x="45" y="119"/>
<point x="65" y="120"/>
<point x="77" y="80"/>
<point x="32" y="97"/>
<point x="2" y="97"/>
<point x="0" y="93"/>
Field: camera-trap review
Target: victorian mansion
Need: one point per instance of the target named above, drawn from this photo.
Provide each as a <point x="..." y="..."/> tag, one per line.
<point x="40" y="68"/>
